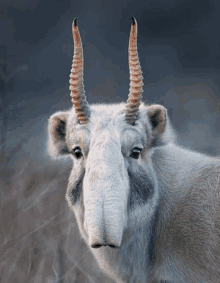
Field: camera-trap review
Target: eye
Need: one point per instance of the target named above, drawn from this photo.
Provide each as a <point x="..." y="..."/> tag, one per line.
<point x="135" y="153"/>
<point x="77" y="152"/>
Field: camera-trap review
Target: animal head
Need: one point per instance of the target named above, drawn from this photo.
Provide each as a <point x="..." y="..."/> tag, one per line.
<point x="111" y="147"/>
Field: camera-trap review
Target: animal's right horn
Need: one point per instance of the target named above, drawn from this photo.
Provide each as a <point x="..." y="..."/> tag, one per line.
<point x="77" y="91"/>
<point x="136" y="79"/>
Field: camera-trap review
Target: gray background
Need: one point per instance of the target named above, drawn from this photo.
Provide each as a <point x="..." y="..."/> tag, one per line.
<point x="179" y="50"/>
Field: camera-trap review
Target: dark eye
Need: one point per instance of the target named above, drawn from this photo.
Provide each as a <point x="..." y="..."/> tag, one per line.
<point x="77" y="152"/>
<point x="135" y="153"/>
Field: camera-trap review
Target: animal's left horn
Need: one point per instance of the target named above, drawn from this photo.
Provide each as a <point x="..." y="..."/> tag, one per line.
<point x="136" y="79"/>
<point x="76" y="78"/>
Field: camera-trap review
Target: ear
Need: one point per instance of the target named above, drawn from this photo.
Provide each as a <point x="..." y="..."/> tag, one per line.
<point x="157" y="115"/>
<point x="57" y="144"/>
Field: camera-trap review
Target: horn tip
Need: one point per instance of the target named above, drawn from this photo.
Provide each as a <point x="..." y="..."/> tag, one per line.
<point x="133" y="21"/>
<point x="75" y="22"/>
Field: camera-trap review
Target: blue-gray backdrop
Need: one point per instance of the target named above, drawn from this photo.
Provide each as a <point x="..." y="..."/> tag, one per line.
<point x="179" y="50"/>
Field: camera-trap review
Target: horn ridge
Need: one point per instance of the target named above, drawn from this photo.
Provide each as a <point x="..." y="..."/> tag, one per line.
<point x="76" y="87"/>
<point x="136" y="78"/>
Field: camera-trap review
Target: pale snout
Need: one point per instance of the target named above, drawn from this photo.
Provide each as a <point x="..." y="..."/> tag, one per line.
<point x="105" y="215"/>
<point x="105" y="192"/>
<point x="105" y="223"/>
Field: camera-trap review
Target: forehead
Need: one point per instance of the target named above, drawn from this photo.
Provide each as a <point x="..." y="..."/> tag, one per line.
<point x="107" y="124"/>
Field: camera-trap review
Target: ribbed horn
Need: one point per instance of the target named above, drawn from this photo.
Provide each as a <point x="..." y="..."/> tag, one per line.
<point x="136" y="79"/>
<point x="76" y="78"/>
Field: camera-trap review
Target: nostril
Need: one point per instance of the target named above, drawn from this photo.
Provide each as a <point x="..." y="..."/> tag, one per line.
<point x="113" y="246"/>
<point x="96" y="246"/>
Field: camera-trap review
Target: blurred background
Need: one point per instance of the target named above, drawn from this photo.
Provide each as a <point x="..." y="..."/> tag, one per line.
<point x="179" y="51"/>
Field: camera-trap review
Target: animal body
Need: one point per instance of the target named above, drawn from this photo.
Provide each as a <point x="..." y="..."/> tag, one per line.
<point x="147" y="208"/>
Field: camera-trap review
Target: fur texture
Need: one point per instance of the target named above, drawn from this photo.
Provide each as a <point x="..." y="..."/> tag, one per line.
<point x="161" y="210"/>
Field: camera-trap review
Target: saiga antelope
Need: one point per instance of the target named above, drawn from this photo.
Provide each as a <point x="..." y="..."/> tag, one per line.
<point x="147" y="208"/>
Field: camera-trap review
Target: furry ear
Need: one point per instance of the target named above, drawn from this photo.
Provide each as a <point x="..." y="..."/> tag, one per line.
<point x="157" y="115"/>
<point x="57" y="134"/>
